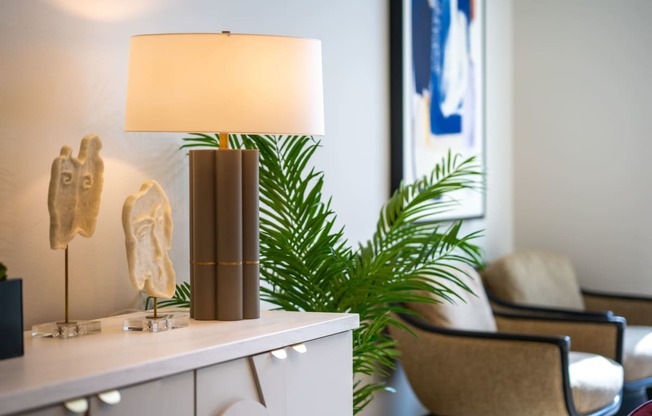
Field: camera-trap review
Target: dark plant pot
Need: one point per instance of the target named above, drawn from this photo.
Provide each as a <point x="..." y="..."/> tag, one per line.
<point x="11" y="318"/>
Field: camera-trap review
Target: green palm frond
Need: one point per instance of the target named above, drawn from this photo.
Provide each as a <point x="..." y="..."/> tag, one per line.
<point x="308" y="264"/>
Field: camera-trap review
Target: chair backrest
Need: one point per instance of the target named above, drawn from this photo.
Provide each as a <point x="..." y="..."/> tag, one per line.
<point x="535" y="278"/>
<point x="467" y="311"/>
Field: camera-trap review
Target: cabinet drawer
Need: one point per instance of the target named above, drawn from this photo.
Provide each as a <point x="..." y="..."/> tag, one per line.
<point x="169" y="395"/>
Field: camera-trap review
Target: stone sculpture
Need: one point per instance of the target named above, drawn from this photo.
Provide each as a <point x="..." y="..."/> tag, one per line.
<point x="74" y="193"/>
<point x="147" y="223"/>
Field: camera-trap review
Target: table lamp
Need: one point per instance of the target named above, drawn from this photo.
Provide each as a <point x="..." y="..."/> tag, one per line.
<point x="224" y="83"/>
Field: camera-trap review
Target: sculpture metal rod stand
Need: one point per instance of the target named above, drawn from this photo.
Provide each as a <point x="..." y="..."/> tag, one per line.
<point x="66" y="273"/>
<point x="66" y="328"/>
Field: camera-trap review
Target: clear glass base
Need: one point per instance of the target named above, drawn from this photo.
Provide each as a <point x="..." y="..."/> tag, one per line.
<point x="164" y="322"/>
<point x="65" y="330"/>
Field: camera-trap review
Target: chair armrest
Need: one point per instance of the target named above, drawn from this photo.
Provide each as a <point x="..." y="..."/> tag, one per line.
<point x="455" y="372"/>
<point x="501" y="305"/>
<point x="602" y="336"/>
<point x="636" y="309"/>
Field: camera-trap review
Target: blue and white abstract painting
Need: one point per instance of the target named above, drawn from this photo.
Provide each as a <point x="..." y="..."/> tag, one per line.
<point x="443" y="89"/>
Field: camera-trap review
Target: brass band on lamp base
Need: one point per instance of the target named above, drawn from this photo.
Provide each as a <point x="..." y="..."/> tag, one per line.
<point x="224" y="278"/>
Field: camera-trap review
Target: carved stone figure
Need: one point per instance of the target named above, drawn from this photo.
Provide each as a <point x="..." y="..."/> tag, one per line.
<point x="75" y="191"/>
<point x="147" y="223"/>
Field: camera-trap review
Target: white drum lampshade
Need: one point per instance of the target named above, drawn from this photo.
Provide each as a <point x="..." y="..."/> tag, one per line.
<point x="224" y="82"/>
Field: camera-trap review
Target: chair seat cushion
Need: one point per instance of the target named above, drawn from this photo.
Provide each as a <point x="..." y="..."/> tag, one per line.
<point x="637" y="352"/>
<point x="595" y="381"/>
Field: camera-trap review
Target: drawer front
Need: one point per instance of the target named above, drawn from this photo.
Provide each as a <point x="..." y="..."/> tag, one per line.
<point x="169" y="395"/>
<point x="172" y="395"/>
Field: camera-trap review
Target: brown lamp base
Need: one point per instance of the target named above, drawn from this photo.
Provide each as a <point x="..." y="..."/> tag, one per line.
<point x="224" y="234"/>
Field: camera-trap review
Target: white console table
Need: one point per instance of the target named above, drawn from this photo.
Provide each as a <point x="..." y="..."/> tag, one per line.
<point x="209" y="368"/>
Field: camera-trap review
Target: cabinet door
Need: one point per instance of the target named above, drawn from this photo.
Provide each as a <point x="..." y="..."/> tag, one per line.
<point x="221" y="386"/>
<point x="316" y="382"/>
<point x="172" y="395"/>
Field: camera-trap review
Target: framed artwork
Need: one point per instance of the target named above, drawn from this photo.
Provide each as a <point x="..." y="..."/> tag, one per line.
<point x="437" y="91"/>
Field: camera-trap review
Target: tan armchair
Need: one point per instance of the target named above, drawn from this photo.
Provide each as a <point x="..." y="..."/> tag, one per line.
<point x="461" y="359"/>
<point x="545" y="283"/>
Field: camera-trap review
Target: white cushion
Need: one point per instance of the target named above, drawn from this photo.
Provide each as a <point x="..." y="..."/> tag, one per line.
<point x="637" y="352"/>
<point x="595" y="380"/>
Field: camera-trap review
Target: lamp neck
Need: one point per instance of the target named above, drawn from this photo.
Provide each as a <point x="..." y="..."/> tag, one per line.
<point x="224" y="141"/>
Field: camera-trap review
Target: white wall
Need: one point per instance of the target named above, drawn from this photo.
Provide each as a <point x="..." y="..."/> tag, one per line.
<point x="498" y="222"/>
<point x="583" y="100"/>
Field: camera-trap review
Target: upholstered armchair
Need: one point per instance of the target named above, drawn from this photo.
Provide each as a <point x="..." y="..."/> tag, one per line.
<point x="545" y="283"/>
<point x="462" y="359"/>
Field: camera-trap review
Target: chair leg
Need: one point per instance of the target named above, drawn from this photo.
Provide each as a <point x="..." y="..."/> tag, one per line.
<point x="632" y="398"/>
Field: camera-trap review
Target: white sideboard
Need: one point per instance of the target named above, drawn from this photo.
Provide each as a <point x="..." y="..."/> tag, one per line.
<point x="283" y="364"/>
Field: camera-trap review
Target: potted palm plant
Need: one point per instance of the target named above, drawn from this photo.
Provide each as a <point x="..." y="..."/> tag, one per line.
<point x="308" y="265"/>
<point x="11" y="315"/>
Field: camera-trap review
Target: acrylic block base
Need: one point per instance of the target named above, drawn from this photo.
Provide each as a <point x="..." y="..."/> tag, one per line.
<point x="163" y="322"/>
<point x="65" y="330"/>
